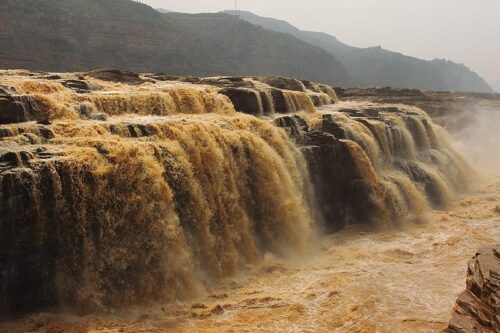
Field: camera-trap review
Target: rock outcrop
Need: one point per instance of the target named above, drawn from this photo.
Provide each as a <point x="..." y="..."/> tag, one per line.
<point x="264" y="96"/>
<point x="453" y="110"/>
<point x="115" y="75"/>
<point x="284" y="83"/>
<point x="14" y="108"/>
<point x="477" y="309"/>
<point x="370" y="164"/>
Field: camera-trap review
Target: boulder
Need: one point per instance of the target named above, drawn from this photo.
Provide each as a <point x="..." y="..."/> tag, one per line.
<point x="4" y="90"/>
<point x="316" y="99"/>
<point x="477" y="309"/>
<point x="15" y="108"/>
<point x="244" y="100"/>
<point x="295" y="127"/>
<point x="79" y="86"/>
<point x="115" y="75"/>
<point x="283" y="83"/>
<point x="279" y="101"/>
<point x="321" y="88"/>
<point x="342" y="192"/>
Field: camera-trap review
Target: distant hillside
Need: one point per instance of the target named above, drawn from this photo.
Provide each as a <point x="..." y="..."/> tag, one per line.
<point x="378" y="67"/>
<point x="239" y="48"/>
<point x="77" y="35"/>
<point x="163" y="10"/>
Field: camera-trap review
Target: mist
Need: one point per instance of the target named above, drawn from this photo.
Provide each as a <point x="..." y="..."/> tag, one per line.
<point x="479" y="139"/>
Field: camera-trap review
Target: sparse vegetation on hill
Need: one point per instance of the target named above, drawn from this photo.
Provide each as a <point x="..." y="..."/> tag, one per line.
<point x="62" y="35"/>
<point x="375" y="66"/>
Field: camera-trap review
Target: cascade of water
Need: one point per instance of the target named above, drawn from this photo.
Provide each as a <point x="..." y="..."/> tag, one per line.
<point x="172" y="188"/>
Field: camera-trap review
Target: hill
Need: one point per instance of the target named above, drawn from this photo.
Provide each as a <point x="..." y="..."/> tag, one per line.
<point x="375" y="66"/>
<point x="79" y="35"/>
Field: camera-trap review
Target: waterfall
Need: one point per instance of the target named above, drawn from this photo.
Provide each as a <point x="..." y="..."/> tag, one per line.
<point x="116" y="194"/>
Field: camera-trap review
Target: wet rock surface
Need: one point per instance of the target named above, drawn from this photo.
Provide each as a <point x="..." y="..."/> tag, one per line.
<point x="340" y="187"/>
<point x="477" y="309"/>
<point x="116" y="75"/>
<point x="245" y="99"/>
<point x="453" y="110"/>
<point x="14" y="108"/>
<point x="284" y="83"/>
<point x="264" y="95"/>
<point x="363" y="160"/>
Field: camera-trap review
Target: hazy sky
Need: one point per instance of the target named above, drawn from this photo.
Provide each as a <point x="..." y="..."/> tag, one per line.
<point x="465" y="31"/>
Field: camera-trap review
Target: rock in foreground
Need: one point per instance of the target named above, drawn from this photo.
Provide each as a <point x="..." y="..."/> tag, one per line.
<point x="477" y="309"/>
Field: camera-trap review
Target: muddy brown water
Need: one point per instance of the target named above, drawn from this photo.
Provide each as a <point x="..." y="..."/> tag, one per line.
<point x="358" y="280"/>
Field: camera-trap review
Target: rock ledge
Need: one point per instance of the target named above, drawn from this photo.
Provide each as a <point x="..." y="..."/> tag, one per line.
<point x="477" y="309"/>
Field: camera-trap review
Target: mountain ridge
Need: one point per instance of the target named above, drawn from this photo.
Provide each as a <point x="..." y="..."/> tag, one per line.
<point x="81" y="35"/>
<point x="375" y="66"/>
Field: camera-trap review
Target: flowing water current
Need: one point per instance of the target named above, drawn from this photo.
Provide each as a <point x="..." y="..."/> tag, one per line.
<point x="357" y="280"/>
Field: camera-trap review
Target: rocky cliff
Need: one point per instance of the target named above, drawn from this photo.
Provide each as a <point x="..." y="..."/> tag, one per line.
<point x="478" y="308"/>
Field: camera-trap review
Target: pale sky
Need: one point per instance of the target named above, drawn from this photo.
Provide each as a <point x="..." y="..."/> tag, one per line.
<point x="465" y="31"/>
